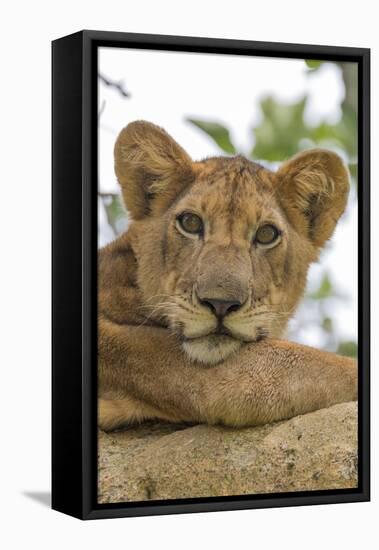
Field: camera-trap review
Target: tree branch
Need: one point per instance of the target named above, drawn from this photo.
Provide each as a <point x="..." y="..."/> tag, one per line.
<point x="119" y="86"/>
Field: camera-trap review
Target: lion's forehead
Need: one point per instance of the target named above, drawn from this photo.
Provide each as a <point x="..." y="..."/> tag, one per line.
<point x="232" y="190"/>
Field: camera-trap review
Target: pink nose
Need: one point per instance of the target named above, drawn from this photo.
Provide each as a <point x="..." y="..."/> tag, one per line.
<point x="221" y="307"/>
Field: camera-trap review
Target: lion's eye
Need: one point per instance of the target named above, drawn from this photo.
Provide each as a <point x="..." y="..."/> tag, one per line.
<point x="267" y="234"/>
<point x="190" y="223"/>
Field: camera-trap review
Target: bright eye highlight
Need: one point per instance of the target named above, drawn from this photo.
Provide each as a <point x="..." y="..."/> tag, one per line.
<point x="267" y="234"/>
<point x="190" y="223"/>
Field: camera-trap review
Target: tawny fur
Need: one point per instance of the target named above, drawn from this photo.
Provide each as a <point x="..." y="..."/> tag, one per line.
<point x="160" y="355"/>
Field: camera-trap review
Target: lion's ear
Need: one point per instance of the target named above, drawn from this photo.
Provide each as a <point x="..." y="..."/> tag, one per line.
<point x="151" y="168"/>
<point x="313" y="188"/>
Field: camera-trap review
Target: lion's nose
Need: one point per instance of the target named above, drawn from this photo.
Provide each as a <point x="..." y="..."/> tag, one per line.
<point x="221" y="307"/>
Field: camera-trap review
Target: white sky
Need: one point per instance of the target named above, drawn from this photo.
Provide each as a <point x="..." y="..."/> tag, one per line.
<point x="167" y="87"/>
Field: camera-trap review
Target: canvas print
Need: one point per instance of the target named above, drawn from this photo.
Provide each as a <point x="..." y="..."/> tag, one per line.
<point x="227" y="275"/>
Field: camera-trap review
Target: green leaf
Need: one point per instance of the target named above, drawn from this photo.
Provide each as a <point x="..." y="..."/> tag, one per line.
<point x="343" y="134"/>
<point x="313" y="64"/>
<point x="327" y="324"/>
<point x="277" y="137"/>
<point x="217" y="132"/>
<point x="348" y="348"/>
<point x="282" y="131"/>
<point x="325" y="289"/>
<point x="348" y="131"/>
<point x="353" y="167"/>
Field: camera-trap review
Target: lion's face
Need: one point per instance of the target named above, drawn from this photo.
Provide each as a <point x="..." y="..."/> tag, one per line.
<point x="228" y="266"/>
<point x="223" y="246"/>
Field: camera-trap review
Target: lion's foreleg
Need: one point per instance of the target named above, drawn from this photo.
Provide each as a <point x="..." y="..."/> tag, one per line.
<point x="144" y="374"/>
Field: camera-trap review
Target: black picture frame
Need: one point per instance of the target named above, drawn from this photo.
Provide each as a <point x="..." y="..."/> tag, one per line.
<point x="74" y="271"/>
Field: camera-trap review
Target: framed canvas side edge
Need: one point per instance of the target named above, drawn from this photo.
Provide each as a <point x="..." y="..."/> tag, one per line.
<point x="67" y="314"/>
<point x="274" y="501"/>
<point x="364" y="291"/>
<point x="224" y="45"/>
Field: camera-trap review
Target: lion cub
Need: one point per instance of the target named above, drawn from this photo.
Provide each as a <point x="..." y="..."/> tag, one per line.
<point x="194" y="297"/>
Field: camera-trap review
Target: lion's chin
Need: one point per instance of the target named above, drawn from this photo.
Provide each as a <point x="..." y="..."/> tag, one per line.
<point x="212" y="349"/>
